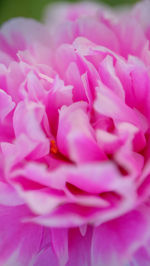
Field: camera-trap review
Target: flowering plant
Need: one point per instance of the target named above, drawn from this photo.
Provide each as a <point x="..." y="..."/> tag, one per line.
<point x="75" y="138"/>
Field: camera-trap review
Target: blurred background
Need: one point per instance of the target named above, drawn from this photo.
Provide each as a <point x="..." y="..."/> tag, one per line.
<point x="34" y="8"/>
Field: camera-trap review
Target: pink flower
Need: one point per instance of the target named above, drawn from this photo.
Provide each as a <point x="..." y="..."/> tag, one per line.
<point x="75" y="138"/>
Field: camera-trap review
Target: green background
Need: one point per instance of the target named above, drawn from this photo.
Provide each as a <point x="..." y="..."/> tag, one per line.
<point x="34" y="8"/>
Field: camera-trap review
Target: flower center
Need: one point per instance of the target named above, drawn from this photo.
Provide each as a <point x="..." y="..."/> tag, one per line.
<point x="53" y="147"/>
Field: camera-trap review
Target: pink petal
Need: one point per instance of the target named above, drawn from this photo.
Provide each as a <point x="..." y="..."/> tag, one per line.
<point x="75" y="135"/>
<point x="119" y="238"/>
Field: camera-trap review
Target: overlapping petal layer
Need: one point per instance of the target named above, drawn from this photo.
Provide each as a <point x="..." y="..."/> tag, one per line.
<point x="75" y="138"/>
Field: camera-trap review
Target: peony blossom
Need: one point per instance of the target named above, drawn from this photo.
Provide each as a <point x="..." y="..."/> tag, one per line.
<point x="75" y="138"/>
